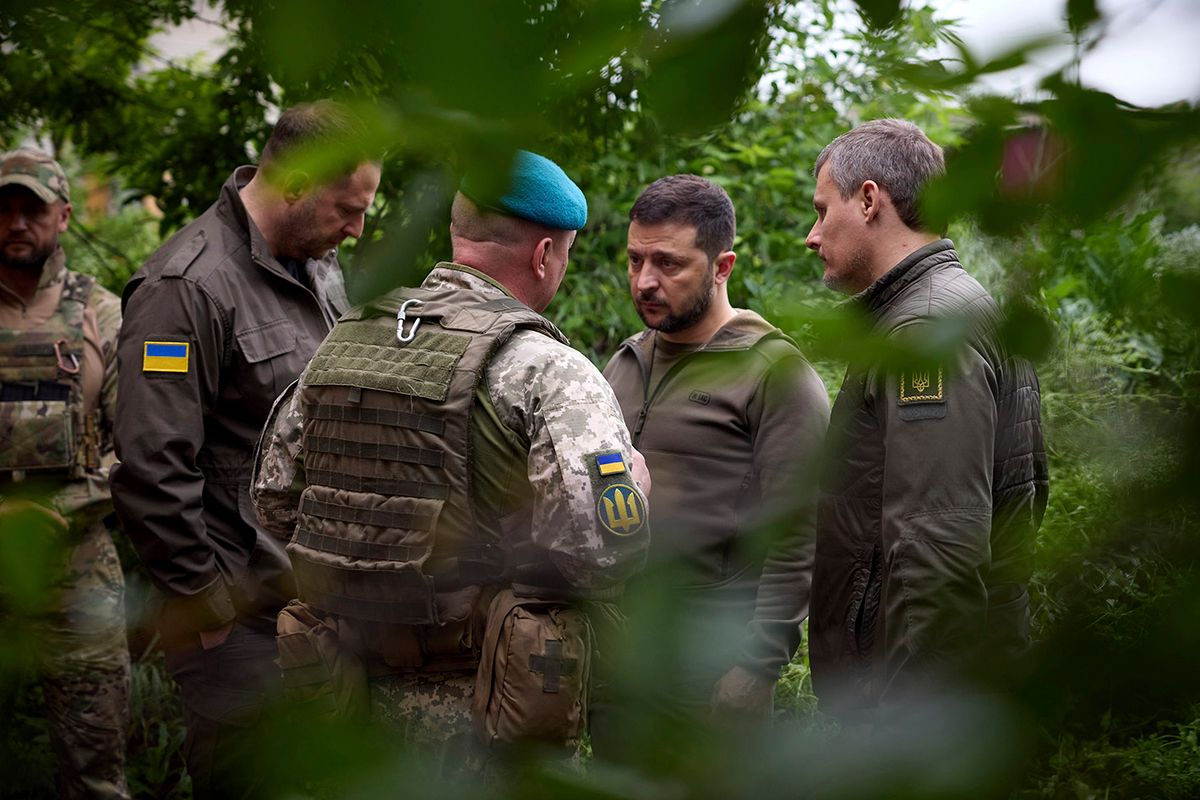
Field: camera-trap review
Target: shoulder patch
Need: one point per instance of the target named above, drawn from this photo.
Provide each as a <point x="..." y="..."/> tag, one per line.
<point x="621" y="509"/>
<point x="620" y="506"/>
<point x="610" y="463"/>
<point x="172" y="358"/>
<point x="922" y="394"/>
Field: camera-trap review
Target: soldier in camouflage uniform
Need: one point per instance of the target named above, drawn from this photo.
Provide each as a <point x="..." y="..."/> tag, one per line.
<point x="58" y="333"/>
<point x="544" y="447"/>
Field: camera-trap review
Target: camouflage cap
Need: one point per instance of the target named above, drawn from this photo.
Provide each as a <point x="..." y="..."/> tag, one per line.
<point x="37" y="172"/>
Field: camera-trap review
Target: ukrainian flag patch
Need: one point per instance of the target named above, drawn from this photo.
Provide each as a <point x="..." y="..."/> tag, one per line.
<point x="165" y="356"/>
<point x="610" y="463"/>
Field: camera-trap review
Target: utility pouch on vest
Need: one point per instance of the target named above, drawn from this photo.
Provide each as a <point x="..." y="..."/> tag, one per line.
<point x="43" y="427"/>
<point x="321" y="672"/>
<point x="37" y="435"/>
<point x="533" y="682"/>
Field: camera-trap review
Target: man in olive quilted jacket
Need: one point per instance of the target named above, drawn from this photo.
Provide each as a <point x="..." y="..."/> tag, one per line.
<point x="926" y="523"/>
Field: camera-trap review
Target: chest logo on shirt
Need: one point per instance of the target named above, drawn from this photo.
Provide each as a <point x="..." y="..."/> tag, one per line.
<point x="621" y="510"/>
<point x="700" y="397"/>
<point x="165" y="356"/>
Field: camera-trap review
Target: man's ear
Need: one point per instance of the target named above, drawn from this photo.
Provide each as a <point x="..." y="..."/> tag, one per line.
<point x="64" y="217"/>
<point x="724" y="265"/>
<point x="296" y="185"/>
<point x="870" y="200"/>
<point x="538" y="261"/>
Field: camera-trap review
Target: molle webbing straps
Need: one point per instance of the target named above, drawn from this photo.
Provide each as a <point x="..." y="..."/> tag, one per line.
<point x="388" y="515"/>
<point x="388" y="486"/>
<point x="407" y="454"/>
<point x="43" y="426"/>
<point x="377" y="551"/>
<point x="367" y="516"/>
<point x="376" y="416"/>
<point x="402" y="596"/>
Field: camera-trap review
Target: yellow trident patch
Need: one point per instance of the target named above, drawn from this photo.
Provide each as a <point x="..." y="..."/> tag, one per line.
<point x="925" y="386"/>
<point x="621" y="510"/>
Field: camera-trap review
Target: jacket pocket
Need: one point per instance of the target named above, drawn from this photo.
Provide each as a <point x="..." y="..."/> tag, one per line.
<point x="267" y="340"/>
<point x="269" y="363"/>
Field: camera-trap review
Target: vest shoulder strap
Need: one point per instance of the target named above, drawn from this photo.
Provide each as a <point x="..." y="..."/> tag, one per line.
<point x="77" y="288"/>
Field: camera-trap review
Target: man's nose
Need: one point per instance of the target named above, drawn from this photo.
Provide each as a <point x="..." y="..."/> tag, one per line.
<point x="354" y="227"/>
<point x="813" y="242"/>
<point x="647" y="280"/>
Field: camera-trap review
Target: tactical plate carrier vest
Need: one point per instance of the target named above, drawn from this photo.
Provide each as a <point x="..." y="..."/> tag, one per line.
<point x="43" y="428"/>
<point x="388" y="529"/>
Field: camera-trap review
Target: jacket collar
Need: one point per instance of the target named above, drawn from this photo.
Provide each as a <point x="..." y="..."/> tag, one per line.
<point x="882" y="292"/>
<point x="54" y="270"/>
<point x="448" y="275"/>
<point x="742" y="332"/>
<point x="231" y="208"/>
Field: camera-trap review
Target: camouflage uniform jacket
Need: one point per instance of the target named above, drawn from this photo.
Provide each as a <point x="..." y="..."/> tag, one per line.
<point x="84" y="501"/>
<point x="938" y="483"/>
<point x="560" y="416"/>
<point x="215" y="328"/>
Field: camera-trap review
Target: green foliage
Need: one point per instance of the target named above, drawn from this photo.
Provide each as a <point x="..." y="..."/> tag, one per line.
<point x="113" y="247"/>
<point x="155" y="766"/>
<point x="1076" y="209"/>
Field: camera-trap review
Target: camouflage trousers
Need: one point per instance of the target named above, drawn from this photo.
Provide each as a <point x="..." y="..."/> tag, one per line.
<point x="84" y="669"/>
<point x="432" y="711"/>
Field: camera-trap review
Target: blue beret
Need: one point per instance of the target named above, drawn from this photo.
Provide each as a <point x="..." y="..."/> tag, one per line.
<point x="538" y="190"/>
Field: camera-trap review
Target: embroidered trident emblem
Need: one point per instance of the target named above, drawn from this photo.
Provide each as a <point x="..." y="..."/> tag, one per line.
<point x="621" y="509"/>
<point x="920" y="381"/>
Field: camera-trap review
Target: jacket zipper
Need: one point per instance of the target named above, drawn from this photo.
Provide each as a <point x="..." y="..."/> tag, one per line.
<point x="648" y="398"/>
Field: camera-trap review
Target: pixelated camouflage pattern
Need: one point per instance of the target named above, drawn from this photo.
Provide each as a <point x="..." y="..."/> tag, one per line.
<point x="431" y="712"/>
<point x="568" y="413"/>
<point x="277" y="479"/>
<point x="37" y="172"/>
<point x="425" y="708"/>
<point x="85" y="670"/>
<point x="552" y="396"/>
<point x="549" y="395"/>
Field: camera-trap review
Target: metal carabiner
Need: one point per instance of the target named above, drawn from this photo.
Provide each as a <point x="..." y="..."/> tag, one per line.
<point x="69" y="369"/>
<point x="401" y="336"/>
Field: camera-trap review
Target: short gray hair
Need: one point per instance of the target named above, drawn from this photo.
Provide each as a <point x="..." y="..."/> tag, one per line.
<point x="894" y="153"/>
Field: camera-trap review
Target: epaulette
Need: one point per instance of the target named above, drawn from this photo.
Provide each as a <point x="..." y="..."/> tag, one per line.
<point x="184" y="257"/>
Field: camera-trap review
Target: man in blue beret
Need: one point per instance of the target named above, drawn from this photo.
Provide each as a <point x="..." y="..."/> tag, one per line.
<point x="444" y="445"/>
